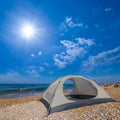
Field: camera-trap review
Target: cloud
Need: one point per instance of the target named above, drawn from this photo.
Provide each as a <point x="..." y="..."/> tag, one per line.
<point x="46" y="64"/>
<point x="32" y="67"/>
<point x="41" y="69"/>
<point x="59" y="63"/>
<point x="103" y="58"/>
<point x="35" y="70"/>
<point x="69" y="23"/>
<point x="87" y="42"/>
<point x="32" y="55"/>
<point x="72" y="51"/>
<point x="40" y="53"/>
<point x="108" y="9"/>
<point x="12" y="77"/>
<point x="33" y="73"/>
<point x="72" y="24"/>
<point x="12" y="73"/>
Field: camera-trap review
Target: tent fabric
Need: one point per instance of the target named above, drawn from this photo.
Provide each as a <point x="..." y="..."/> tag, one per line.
<point x="57" y="101"/>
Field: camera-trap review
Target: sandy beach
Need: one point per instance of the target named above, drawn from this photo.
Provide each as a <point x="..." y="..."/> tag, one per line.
<point x="30" y="108"/>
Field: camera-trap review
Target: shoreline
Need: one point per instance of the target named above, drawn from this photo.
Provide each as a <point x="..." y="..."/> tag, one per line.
<point x="113" y="92"/>
<point x="31" y="108"/>
<point x="13" y="101"/>
<point x="19" y="95"/>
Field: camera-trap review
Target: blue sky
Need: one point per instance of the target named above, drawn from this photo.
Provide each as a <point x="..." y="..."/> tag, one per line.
<point x="71" y="37"/>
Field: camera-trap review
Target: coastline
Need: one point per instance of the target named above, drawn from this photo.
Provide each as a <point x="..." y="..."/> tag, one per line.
<point x="113" y="92"/>
<point x="8" y="91"/>
<point x="13" y="101"/>
<point x="31" y="108"/>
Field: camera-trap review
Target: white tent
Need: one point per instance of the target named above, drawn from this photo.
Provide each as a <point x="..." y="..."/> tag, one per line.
<point x="85" y="92"/>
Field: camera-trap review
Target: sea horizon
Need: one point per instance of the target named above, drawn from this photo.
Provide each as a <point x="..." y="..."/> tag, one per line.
<point x="23" y="90"/>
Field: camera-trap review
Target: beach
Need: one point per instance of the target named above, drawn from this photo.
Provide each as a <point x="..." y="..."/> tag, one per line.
<point x="31" y="108"/>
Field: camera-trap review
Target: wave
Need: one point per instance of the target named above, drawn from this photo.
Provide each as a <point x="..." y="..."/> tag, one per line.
<point x="22" y="90"/>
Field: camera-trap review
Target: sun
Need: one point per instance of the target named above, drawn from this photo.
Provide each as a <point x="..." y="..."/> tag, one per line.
<point x="28" y="31"/>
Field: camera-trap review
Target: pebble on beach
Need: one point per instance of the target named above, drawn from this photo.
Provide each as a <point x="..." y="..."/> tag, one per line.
<point x="35" y="110"/>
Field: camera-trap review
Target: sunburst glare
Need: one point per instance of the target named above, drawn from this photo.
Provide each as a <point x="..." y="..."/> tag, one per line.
<point x="28" y="31"/>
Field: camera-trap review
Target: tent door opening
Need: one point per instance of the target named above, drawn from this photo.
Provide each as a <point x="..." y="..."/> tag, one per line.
<point x="69" y="91"/>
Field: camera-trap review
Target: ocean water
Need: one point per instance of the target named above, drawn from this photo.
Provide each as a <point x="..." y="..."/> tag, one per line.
<point x="23" y="90"/>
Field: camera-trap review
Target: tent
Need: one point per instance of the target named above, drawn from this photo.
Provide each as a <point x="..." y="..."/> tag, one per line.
<point x="85" y="92"/>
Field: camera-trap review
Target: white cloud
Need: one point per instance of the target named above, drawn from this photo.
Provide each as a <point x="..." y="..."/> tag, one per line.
<point x="32" y="67"/>
<point x="59" y="63"/>
<point x="31" y="77"/>
<point x="35" y="69"/>
<point x="11" y="77"/>
<point x="12" y="73"/>
<point x="40" y="53"/>
<point x="83" y="41"/>
<point x="108" y="9"/>
<point x="103" y="58"/>
<point x="46" y="64"/>
<point x="69" y="23"/>
<point x="32" y="55"/>
<point x="72" y="51"/>
<point x="72" y="24"/>
<point x="41" y="69"/>
<point x="33" y="73"/>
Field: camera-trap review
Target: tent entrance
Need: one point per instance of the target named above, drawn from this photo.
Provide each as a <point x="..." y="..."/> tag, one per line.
<point x="69" y="91"/>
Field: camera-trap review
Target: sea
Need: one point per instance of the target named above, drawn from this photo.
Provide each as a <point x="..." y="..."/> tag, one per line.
<point x="24" y="90"/>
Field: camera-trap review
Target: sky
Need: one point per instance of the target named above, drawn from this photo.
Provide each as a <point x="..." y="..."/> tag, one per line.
<point x="69" y="37"/>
